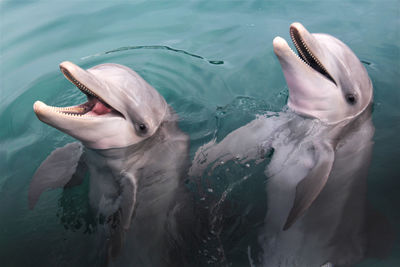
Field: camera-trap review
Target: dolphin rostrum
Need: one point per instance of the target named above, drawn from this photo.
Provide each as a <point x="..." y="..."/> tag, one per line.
<point x="134" y="152"/>
<point x="321" y="148"/>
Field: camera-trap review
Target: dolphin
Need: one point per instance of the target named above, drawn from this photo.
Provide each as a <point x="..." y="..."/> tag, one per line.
<point x="130" y="144"/>
<point x="321" y="147"/>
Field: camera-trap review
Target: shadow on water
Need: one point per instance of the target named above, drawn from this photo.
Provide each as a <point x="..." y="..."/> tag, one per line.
<point x="232" y="204"/>
<point x="74" y="210"/>
<point x="231" y="197"/>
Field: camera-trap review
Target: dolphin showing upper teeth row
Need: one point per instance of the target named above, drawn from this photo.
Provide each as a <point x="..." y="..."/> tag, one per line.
<point x="136" y="157"/>
<point x="321" y="149"/>
<point x="326" y="81"/>
<point x="122" y="108"/>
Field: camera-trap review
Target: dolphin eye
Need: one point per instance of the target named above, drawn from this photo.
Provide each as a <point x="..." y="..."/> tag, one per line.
<point x="351" y="99"/>
<point x="142" y="127"/>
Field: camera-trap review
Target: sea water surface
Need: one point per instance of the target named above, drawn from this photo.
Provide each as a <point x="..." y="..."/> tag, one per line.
<point x="213" y="62"/>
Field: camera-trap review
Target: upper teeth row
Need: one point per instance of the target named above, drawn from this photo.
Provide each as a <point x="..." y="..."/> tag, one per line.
<point x="63" y="111"/>
<point x="308" y="51"/>
<point x="78" y="84"/>
<point x="84" y="88"/>
<point x="298" y="47"/>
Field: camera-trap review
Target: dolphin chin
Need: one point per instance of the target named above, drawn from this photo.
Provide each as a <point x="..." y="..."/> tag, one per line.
<point x="326" y="80"/>
<point x="108" y="119"/>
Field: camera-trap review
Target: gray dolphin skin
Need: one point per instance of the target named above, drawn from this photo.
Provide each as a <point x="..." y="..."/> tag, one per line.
<point x="321" y="149"/>
<point x="135" y="154"/>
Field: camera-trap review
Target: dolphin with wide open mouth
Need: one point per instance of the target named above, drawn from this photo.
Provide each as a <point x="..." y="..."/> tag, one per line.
<point x="135" y="154"/>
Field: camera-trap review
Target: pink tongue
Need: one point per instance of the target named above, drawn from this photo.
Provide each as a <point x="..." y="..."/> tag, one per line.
<point x="100" y="109"/>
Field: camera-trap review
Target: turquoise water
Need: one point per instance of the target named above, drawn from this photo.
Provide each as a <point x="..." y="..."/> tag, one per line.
<point x="214" y="64"/>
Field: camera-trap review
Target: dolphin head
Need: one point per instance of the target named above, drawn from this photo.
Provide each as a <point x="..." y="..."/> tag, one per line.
<point x="121" y="109"/>
<point x="326" y="80"/>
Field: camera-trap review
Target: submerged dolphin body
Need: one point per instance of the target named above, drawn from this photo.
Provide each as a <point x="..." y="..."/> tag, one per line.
<point x="135" y="155"/>
<point x="321" y="149"/>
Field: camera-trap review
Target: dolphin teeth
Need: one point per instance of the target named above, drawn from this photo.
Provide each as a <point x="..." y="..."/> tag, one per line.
<point x="307" y="56"/>
<point x="83" y="88"/>
<point x="75" y="111"/>
<point x="70" y="111"/>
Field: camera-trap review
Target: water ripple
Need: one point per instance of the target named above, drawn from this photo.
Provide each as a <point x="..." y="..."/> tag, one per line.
<point x="161" y="47"/>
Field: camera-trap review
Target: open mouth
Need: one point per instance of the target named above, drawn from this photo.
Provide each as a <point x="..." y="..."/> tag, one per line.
<point x="95" y="106"/>
<point x="306" y="54"/>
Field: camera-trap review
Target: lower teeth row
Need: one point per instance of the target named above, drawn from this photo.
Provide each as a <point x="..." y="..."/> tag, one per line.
<point x="71" y="111"/>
